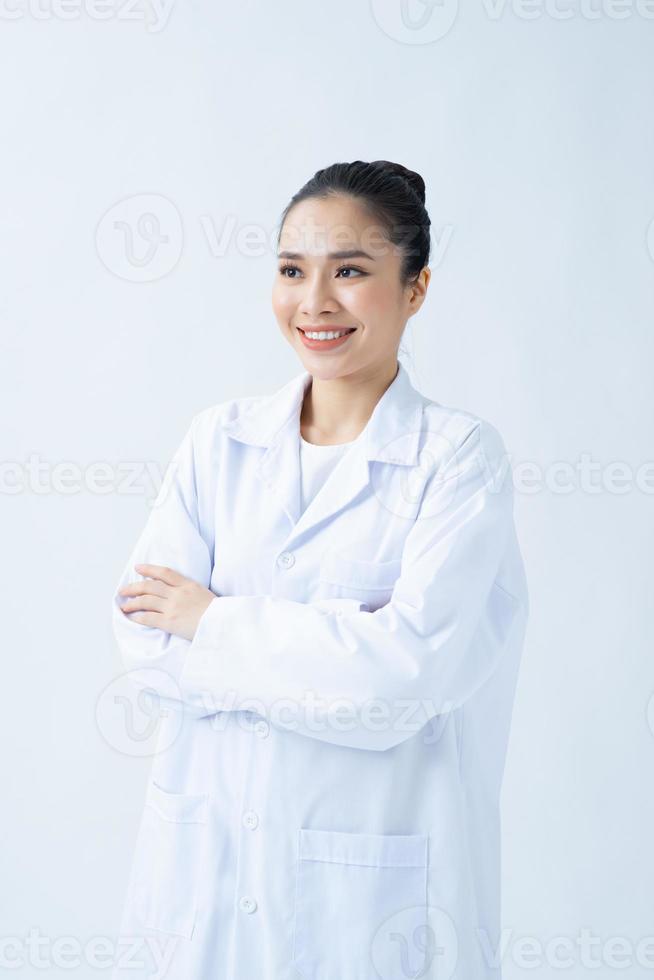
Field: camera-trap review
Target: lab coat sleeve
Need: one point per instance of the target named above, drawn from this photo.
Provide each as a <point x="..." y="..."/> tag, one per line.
<point x="373" y="679"/>
<point x="172" y="536"/>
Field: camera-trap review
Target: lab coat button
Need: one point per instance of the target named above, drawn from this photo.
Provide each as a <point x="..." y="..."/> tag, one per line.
<point x="250" y="820"/>
<point x="248" y="904"/>
<point x="262" y="728"/>
<point x="286" y="559"/>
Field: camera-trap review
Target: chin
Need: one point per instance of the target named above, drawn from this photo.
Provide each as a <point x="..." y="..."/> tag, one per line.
<point x="326" y="372"/>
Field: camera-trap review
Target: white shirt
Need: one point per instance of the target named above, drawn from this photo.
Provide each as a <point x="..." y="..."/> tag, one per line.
<point x="316" y="463"/>
<point x="325" y="800"/>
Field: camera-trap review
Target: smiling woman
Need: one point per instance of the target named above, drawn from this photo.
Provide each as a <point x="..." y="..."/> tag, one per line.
<point x="354" y="248"/>
<point x="330" y="594"/>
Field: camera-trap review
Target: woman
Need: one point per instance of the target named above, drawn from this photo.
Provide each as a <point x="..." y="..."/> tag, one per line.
<point x="330" y="600"/>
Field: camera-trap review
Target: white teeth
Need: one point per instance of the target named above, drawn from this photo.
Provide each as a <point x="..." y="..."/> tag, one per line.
<point x="325" y="334"/>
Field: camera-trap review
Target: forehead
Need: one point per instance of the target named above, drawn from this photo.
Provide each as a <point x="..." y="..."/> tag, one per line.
<point x="316" y="226"/>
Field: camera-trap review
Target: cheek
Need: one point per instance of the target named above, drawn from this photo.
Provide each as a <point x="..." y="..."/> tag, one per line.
<point x="373" y="304"/>
<point x="281" y="302"/>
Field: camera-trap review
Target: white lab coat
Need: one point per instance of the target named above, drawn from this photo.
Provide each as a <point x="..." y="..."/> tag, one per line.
<point x="328" y="807"/>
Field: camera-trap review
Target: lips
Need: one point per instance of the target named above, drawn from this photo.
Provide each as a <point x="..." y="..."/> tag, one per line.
<point x="327" y="344"/>
<point x="306" y="330"/>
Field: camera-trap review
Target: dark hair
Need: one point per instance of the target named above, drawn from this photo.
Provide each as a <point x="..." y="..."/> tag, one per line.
<point x="394" y="197"/>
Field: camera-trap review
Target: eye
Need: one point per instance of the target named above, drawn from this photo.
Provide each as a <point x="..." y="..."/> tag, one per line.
<point x="350" y="268"/>
<point x="288" y="267"/>
<point x="285" y="268"/>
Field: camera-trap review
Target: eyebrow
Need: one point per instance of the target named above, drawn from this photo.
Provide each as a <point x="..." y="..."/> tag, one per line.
<point x="351" y="253"/>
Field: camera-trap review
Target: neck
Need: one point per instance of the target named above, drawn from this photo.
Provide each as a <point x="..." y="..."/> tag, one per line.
<point x="337" y="410"/>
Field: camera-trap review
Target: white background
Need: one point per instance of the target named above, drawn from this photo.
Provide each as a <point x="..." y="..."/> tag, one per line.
<point x="532" y="128"/>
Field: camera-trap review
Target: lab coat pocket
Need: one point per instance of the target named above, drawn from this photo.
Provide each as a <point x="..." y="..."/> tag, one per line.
<point x="169" y="860"/>
<point x="349" y="888"/>
<point x="371" y="582"/>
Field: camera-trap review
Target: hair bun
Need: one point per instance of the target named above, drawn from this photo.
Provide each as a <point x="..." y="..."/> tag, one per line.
<point x="413" y="179"/>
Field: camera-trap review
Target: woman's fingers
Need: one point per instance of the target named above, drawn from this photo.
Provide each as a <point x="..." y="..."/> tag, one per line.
<point x="151" y="603"/>
<point x="162" y="573"/>
<point x="149" y="587"/>
<point x="165" y="599"/>
<point x="148" y="619"/>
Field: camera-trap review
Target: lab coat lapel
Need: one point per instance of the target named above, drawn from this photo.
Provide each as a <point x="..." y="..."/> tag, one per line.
<point x="280" y="471"/>
<point x="273" y="423"/>
<point x="390" y="436"/>
<point x="347" y="479"/>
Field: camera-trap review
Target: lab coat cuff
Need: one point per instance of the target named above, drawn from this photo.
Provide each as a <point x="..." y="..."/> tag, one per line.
<point x="202" y="666"/>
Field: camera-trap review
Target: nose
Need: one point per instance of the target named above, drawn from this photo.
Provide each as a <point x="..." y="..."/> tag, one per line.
<point x="317" y="297"/>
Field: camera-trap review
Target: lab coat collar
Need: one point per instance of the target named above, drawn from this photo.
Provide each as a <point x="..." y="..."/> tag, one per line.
<point x="391" y="435"/>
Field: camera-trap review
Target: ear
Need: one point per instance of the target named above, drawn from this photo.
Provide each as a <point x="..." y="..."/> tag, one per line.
<point x="418" y="290"/>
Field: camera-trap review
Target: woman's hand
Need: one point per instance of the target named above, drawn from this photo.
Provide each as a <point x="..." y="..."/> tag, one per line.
<point x="169" y="601"/>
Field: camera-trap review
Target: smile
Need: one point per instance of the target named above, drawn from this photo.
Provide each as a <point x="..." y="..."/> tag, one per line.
<point x="325" y="340"/>
<point x="326" y="334"/>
